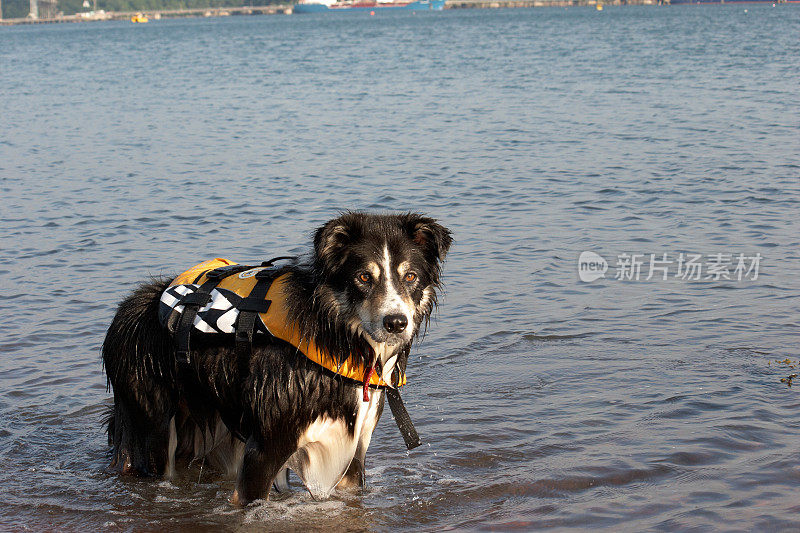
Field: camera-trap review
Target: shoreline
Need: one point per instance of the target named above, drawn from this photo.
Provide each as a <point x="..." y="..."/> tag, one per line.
<point x="157" y="14"/>
<point x="286" y="9"/>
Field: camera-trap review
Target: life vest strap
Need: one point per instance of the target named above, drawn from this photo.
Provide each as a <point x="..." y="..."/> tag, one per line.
<point x="279" y="258"/>
<point x="401" y="418"/>
<point x="249" y="309"/>
<point x="192" y="302"/>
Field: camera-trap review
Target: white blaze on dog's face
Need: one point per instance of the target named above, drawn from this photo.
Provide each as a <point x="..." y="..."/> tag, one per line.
<point x="387" y="311"/>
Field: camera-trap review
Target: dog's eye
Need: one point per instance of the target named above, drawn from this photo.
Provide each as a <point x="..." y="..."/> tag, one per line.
<point x="410" y="277"/>
<point x="365" y="277"/>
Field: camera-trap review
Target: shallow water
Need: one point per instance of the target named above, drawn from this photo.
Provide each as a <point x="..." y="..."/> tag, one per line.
<point x="535" y="135"/>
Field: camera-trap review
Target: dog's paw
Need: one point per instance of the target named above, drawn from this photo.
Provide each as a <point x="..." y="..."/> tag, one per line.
<point x="237" y="500"/>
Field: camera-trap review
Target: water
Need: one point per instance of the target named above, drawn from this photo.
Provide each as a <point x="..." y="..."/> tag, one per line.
<point x="534" y="135"/>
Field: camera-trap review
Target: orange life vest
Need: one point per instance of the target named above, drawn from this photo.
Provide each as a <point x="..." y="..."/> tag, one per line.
<point x="276" y="319"/>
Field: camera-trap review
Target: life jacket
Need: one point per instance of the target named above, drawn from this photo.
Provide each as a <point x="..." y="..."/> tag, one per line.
<point x="219" y="296"/>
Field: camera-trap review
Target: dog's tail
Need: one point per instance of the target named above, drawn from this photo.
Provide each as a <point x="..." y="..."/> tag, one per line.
<point x="138" y="357"/>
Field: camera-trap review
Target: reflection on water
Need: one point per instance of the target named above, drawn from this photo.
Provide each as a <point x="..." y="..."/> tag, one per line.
<point x="535" y="135"/>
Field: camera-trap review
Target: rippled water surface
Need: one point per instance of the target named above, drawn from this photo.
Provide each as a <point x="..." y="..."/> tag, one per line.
<point x="131" y="150"/>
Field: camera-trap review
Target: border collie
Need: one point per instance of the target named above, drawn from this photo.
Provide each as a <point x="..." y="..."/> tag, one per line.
<point x="363" y="294"/>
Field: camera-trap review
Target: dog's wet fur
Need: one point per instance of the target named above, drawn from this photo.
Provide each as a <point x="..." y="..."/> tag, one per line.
<point x="364" y="293"/>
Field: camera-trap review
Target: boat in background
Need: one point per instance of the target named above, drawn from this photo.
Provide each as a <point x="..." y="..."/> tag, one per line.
<point x="697" y="2"/>
<point x="328" y="6"/>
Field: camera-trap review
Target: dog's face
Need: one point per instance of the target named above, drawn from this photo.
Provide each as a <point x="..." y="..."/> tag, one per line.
<point x="381" y="273"/>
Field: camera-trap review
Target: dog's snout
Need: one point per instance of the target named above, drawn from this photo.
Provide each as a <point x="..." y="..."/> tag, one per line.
<point x="395" y="323"/>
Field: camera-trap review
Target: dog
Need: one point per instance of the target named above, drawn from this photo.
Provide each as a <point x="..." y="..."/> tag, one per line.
<point x="363" y="295"/>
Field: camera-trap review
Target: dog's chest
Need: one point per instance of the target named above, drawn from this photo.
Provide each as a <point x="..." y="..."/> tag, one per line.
<point x="327" y="446"/>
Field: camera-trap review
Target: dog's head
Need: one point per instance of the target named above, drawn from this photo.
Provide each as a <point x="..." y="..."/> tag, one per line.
<point x="380" y="274"/>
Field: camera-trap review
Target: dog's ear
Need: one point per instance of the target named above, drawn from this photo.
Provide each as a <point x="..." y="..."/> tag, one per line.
<point x="432" y="237"/>
<point x="330" y="241"/>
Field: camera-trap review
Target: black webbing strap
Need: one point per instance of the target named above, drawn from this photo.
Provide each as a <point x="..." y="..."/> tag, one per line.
<point x="404" y="423"/>
<point x="279" y="258"/>
<point x="249" y="309"/>
<point x="192" y="303"/>
<point x="252" y="305"/>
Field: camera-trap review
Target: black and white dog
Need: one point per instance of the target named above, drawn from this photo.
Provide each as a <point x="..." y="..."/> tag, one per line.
<point x="363" y="295"/>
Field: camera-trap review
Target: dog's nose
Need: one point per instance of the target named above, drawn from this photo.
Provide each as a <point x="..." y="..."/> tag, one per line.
<point x="395" y="323"/>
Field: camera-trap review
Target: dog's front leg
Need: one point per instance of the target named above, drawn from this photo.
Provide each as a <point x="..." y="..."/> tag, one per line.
<point x="260" y="466"/>
<point x="321" y="465"/>
<point x="355" y="476"/>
